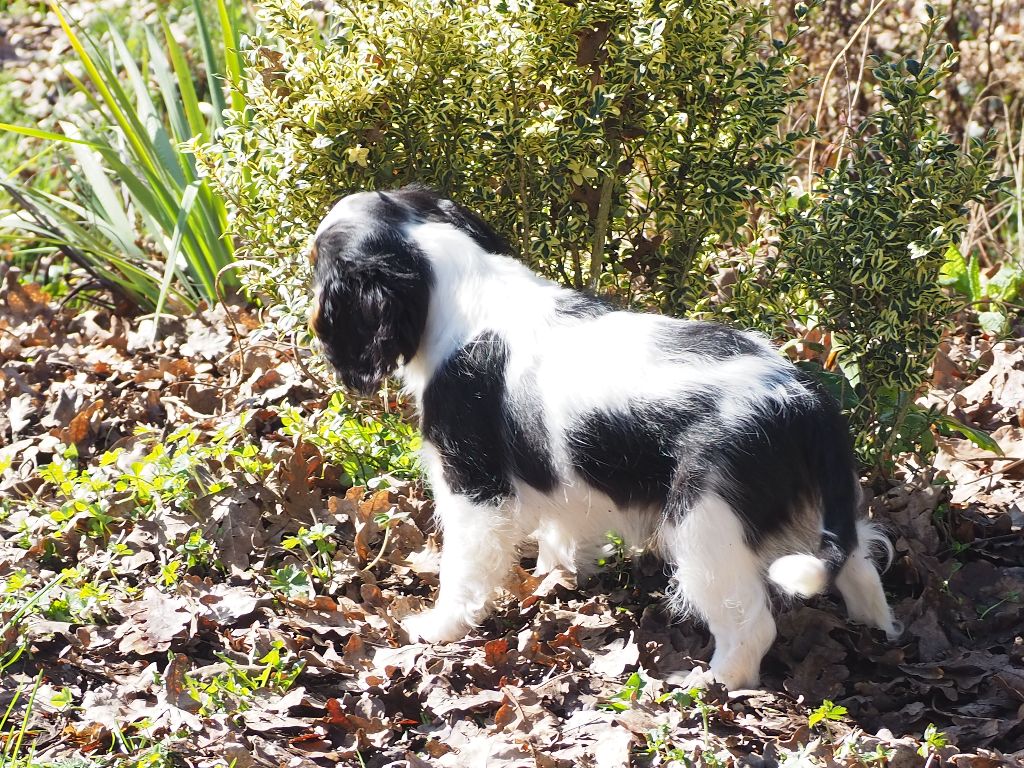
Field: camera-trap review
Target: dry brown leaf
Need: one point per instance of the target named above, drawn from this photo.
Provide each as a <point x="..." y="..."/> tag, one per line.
<point x="153" y="621"/>
<point x="83" y="424"/>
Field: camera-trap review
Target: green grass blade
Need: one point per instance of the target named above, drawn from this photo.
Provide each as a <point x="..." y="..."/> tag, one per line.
<point x="108" y="88"/>
<point x="37" y="133"/>
<point x="214" y="75"/>
<point x="112" y="207"/>
<point x="231" y="42"/>
<point x="162" y="154"/>
<point x="186" y="88"/>
<point x="187" y="201"/>
<point x="168" y="86"/>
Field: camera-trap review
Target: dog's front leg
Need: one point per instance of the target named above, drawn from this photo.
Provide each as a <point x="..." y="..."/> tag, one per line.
<point x="480" y="544"/>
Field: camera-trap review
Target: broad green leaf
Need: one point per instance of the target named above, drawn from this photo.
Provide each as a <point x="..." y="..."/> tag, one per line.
<point x="979" y="438"/>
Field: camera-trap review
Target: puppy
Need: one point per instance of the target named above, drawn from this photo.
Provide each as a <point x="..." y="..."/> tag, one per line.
<point x="548" y="414"/>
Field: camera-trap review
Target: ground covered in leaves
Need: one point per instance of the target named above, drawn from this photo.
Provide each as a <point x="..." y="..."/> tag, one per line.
<point x="188" y="580"/>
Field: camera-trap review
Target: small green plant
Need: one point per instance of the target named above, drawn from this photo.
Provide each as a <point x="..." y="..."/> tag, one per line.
<point x="933" y="742"/>
<point x="197" y="551"/>
<point x="292" y="582"/>
<point x="624" y="698"/>
<point x="364" y="444"/>
<point x="828" y="712"/>
<point x="81" y="599"/>
<point x="616" y="558"/>
<point x="991" y="296"/>
<point x="386" y="521"/>
<point x="692" y="704"/>
<point x="852" y="747"/>
<point x="19" y="597"/>
<point x="317" y="547"/>
<point x="1010" y="597"/>
<point x="152" y="756"/>
<point x="234" y="689"/>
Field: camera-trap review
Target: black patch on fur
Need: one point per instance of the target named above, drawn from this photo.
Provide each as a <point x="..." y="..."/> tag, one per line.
<point x="374" y="291"/>
<point x="581" y="305"/>
<point x="696" y="338"/>
<point x="483" y="442"/>
<point x="776" y="464"/>
<point x="832" y="461"/>
<point x="786" y="461"/>
<point x="527" y="436"/>
<point x="631" y="453"/>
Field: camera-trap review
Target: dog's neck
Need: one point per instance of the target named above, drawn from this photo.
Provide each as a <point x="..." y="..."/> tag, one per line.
<point x="473" y="292"/>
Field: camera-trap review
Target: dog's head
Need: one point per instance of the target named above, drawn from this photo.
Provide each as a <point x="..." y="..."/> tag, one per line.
<point x="372" y="278"/>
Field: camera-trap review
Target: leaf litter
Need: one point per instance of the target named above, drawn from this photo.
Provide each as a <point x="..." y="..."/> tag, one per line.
<point x="188" y="617"/>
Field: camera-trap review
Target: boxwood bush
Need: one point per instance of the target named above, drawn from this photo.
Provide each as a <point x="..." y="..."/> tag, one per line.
<point x="616" y="145"/>
<point x="865" y="250"/>
<point x="638" y="149"/>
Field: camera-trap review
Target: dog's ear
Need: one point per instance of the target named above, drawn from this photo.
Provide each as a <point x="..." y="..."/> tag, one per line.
<point x="370" y="306"/>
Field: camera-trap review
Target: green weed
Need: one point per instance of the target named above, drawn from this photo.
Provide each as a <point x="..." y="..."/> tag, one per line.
<point x="933" y="742"/>
<point x="364" y="445"/>
<point x="828" y="712"/>
<point x="627" y="695"/>
<point x="316" y="545"/>
<point x="234" y="689"/>
<point x="991" y="297"/>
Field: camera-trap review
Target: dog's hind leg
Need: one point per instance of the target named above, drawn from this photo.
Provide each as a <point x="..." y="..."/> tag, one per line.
<point x="718" y="578"/>
<point x="481" y="542"/>
<point x="860" y="586"/>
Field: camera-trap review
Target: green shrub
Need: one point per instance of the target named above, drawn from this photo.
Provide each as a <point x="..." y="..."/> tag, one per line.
<point x="868" y="246"/>
<point x="637" y="149"/>
<point x="616" y="145"/>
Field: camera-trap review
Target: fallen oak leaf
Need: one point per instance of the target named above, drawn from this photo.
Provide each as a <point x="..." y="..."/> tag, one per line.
<point x="175" y="686"/>
<point x="568" y="639"/>
<point x="441" y="701"/>
<point x="505" y="716"/>
<point x="83" y="423"/>
<point x="540" y="589"/>
<point x="152" y="622"/>
<point x="24" y="301"/>
<point x="436" y="748"/>
<point x="20" y="410"/>
<point x="335" y="715"/>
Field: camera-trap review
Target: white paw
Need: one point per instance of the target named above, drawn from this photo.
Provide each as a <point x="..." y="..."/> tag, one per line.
<point x="737" y="674"/>
<point x="435" y="626"/>
<point x="695" y="678"/>
<point x="705" y="678"/>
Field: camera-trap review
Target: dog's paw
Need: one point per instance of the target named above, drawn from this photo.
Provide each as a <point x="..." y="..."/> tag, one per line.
<point x="706" y="678"/>
<point x="695" y="678"/>
<point x="434" y="626"/>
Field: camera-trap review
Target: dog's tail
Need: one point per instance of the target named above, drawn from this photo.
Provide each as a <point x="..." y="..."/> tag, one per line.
<point x="806" y="574"/>
<point x="803" y="575"/>
<point x="800" y="575"/>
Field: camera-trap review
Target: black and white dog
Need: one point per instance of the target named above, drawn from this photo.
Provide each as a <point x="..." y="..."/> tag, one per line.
<point x="547" y="414"/>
